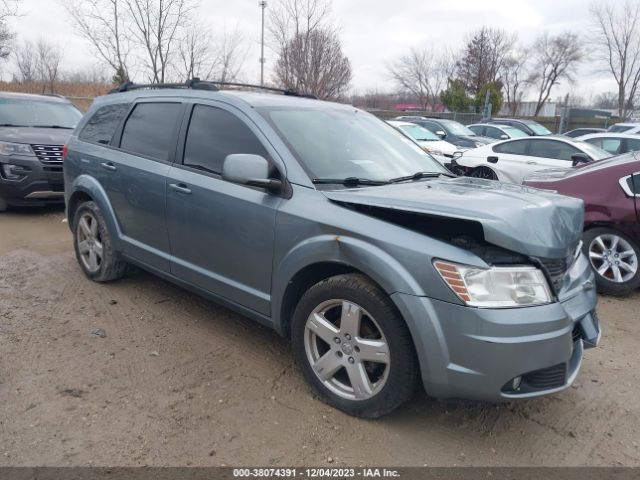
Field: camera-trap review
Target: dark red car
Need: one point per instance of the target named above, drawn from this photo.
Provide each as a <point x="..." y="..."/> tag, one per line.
<point x="610" y="190"/>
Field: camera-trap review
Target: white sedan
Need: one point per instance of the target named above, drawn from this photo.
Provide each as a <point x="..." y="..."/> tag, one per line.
<point x="512" y="160"/>
<point x="428" y="140"/>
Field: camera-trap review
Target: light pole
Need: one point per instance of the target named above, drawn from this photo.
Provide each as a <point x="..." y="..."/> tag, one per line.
<point x="262" y="4"/>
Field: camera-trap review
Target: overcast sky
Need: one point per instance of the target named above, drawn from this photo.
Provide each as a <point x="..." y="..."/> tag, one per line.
<point x="373" y="32"/>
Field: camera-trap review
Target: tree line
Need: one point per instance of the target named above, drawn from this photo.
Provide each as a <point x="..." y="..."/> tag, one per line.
<point x="165" y="40"/>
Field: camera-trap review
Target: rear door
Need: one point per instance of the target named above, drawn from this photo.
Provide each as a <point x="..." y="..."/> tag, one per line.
<point x="137" y="186"/>
<point x="221" y="233"/>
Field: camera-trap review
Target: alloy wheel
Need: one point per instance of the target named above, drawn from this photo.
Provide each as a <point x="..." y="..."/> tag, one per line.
<point x="613" y="258"/>
<point x="347" y="349"/>
<point x="89" y="242"/>
<point x="485" y="173"/>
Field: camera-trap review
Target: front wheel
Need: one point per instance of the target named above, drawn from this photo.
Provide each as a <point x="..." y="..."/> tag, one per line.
<point x="483" y="172"/>
<point x="614" y="258"/>
<point x="353" y="346"/>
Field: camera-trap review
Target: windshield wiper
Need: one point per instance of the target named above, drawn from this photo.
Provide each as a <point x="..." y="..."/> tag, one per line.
<point x="419" y="175"/>
<point x="349" y="181"/>
<point x="54" y="126"/>
<point x="10" y="125"/>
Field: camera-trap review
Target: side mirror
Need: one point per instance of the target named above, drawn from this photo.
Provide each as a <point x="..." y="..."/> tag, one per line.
<point x="251" y="170"/>
<point x="504" y="136"/>
<point x="492" y="159"/>
<point x="578" y="158"/>
<point x="441" y="133"/>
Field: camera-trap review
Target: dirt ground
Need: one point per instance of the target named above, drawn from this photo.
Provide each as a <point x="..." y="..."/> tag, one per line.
<point x="179" y="380"/>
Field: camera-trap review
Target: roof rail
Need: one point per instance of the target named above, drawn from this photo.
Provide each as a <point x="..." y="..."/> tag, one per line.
<point x="194" y="83"/>
<point x="197" y="84"/>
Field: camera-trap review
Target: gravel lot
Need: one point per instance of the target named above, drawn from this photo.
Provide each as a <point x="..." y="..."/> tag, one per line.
<point x="179" y="380"/>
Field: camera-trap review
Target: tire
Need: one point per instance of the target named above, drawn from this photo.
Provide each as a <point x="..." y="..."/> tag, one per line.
<point x="93" y="245"/>
<point x="606" y="246"/>
<point x="381" y="385"/>
<point x="483" y="172"/>
<point x="3" y="205"/>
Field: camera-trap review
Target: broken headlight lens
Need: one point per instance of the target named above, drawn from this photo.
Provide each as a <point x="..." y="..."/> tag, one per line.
<point x="496" y="287"/>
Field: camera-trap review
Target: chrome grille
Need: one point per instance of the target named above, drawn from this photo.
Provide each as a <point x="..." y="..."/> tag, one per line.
<point x="48" y="154"/>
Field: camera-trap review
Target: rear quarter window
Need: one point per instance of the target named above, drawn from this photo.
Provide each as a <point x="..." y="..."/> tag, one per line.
<point x="103" y="123"/>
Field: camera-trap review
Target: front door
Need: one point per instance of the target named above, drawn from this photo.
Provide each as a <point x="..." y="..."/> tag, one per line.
<point x="221" y="233"/>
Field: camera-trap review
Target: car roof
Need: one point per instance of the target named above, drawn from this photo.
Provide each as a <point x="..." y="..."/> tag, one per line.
<point x="494" y="125"/>
<point x="609" y="135"/>
<point x="626" y="124"/>
<point x="398" y="123"/>
<point x="252" y="99"/>
<point x="32" y="96"/>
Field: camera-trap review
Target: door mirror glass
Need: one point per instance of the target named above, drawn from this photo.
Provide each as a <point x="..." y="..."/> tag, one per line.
<point x="504" y="136"/>
<point x="441" y="133"/>
<point x="248" y="169"/>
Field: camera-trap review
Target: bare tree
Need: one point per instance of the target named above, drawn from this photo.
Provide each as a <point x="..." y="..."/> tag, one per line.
<point x="229" y="56"/>
<point x="102" y="24"/>
<point x="483" y="57"/>
<point x="314" y="63"/>
<point x="515" y="78"/>
<point x="555" y="58"/>
<point x="195" y="54"/>
<point x="49" y="57"/>
<point x="310" y="57"/>
<point x="26" y="58"/>
<point x="8" y="9"/>
<point x="156" y="26"/>
<point x="423" y="74"/>
<point x="617" y="42"/>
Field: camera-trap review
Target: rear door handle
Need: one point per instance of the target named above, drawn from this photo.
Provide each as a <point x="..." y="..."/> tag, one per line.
<point x="109" y="166"/>
<point x="181" y="188"/>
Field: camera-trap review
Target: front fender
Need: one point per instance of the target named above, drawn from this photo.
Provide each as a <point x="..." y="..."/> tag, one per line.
<point x="372" y="261"/>
<point x="91" y="187"/>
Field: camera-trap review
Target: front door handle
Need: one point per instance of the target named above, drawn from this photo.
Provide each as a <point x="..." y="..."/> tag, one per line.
<point x="109" y="166"/>
<point x="181" y="188"/>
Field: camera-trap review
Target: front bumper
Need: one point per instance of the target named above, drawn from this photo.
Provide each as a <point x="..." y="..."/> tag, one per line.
<point x="43" y="184"/>
<point x="476" y="353"/>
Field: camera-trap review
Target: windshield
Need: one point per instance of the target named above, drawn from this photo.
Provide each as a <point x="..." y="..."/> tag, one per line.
<point x="594" y="152"/>
<point x="514" y="132"/>
<point x="38" y="113"/>
<point x="340" y="143"/>
<point x="538" y="129"/>
<point x="419" y="133"/>
<point x="457" y="128"/>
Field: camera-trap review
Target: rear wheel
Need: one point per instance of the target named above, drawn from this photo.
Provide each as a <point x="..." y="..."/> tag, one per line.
<point x="353" y="346"/>
<point x="93" y="246"/>
<point x="614" y="258"/>
<point x="483" y="172"/>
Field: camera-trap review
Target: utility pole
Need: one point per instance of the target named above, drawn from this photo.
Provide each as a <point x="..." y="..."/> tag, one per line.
<point x="263" y="5"/>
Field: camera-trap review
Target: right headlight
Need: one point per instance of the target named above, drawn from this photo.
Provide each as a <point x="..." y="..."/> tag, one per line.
<point x="496" y="287"/>
<point x="8" y="148"/>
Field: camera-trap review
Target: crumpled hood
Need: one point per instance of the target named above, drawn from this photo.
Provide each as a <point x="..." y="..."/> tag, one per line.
<point x="521" y="219"/>
<point x="35" y="135"/>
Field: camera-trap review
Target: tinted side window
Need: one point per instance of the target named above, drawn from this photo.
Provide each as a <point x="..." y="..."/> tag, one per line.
<point x="494" y="132"/>
<point x="612" y="145"/>
<point x="478" y="130"/>
<point x="552" y="149"/>
<point x="150" y="129"/>
<point x="633" y="145"/>
<point x="433" y="127"/>
<point x="215" y="133"/>
<point x="517" y="147"/>
<point x="102" y="125"/>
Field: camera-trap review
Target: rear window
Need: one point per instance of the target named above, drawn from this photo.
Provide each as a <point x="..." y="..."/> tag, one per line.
<point x="102" y="125"/>
<point x="150" y="130"/>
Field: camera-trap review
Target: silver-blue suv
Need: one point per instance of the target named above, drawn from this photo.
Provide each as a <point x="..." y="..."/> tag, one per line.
<point x="326" y="224"/>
